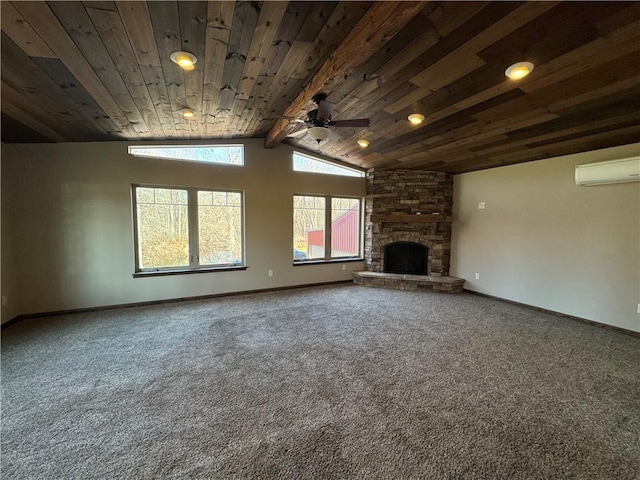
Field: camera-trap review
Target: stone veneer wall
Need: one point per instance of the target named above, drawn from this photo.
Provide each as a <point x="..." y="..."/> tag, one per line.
<point x="423" y="203"/>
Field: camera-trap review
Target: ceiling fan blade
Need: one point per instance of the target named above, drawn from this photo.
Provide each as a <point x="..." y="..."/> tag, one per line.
<point x="299" y="133"/>
<point x="356" y="122"/>
<point x="324" y="109"/>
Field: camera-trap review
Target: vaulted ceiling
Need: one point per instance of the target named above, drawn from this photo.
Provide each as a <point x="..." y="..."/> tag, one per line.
<point x="101" y="70"/>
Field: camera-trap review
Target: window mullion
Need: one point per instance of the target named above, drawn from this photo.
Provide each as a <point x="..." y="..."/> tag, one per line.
<point x="192" y="204"/>
<point x="327" y="227"/>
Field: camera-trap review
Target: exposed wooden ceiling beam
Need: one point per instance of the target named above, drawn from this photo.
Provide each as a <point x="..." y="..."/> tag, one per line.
<point x="380" y="23"/>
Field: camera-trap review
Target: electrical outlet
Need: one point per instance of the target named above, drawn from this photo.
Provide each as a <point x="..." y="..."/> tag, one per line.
<point x="477" y="276"/>
<point x="344" y="267"/>
<point x="5" y="301"/>
<point x="271" y="273"/>
<point x="482" y="205"/>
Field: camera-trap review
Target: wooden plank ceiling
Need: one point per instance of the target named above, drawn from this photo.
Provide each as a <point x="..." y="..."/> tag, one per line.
<point x="100" y="70"/>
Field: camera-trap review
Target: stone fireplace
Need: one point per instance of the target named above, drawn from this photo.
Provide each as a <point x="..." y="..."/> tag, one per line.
<point x="408" y="217"/>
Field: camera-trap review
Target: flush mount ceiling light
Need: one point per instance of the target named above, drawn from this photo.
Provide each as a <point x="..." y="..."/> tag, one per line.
<point x="519" y="70"/>
<point x="318" y="133"/>
<point x="187" y="113"/>
<point x="363" y="143"/>
<point x="186" y="60"/>
<point x="416" y="118"/>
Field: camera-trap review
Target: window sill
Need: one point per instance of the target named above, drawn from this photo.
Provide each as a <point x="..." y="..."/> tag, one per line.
<point x="160" y="273"/>
<point x="324" y="262"/>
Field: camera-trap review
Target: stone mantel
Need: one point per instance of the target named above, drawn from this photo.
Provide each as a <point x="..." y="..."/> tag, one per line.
<point x="409" y="218"/>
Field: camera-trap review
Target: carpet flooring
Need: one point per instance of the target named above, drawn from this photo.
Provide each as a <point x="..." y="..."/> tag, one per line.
<point x="335" y="382"/>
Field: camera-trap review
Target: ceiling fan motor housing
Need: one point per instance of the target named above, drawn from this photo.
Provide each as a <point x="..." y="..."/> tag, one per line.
<point x="319" y="120"/>
<point x="312" y="118"/>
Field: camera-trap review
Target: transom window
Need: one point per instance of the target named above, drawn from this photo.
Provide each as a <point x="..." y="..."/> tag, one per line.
<point x="326" y="227"/>
<point x="307" y="163"/>
<point x="219" y="154"/>
<point x="179" y="228"/>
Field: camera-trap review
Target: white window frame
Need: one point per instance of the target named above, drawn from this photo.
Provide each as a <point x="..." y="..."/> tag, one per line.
<point x="327" y="230"/>
<point x="192" y="215"/>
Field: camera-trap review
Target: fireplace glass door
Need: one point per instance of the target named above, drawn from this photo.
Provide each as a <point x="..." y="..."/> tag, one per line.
<point x="405" y="257"/>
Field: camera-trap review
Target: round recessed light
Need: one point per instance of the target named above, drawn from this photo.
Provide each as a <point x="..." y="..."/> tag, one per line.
<point x="186" y="60"/>
<point x="363" y="143"/>
<point x="416" y="118"/>
<point x="519" y="70"/>
<point x="188" y="113"/>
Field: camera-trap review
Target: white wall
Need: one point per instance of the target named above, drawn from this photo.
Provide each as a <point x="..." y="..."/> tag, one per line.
<point x="67" y="238"/>
<point x="546" y="242"/>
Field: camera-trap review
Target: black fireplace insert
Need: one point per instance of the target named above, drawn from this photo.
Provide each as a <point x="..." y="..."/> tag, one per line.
<point x="405" y="257"/>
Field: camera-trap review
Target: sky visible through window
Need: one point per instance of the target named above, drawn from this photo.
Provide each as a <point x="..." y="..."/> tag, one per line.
<point x="305" y="163"/>
<point x="220" y="154"/>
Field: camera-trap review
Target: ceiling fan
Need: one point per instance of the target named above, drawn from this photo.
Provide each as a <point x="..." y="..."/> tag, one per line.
<point x="319" y="119"/>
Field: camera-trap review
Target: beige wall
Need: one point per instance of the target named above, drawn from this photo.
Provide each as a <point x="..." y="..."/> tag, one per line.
<point x="67" y="239"/>
<point x="546" y="242"/>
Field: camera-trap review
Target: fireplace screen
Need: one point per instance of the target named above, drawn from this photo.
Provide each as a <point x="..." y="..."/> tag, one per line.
<point x="405" y="257"/>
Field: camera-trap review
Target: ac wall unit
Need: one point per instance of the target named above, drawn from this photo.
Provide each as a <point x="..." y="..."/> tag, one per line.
<point x="612" y="171"/>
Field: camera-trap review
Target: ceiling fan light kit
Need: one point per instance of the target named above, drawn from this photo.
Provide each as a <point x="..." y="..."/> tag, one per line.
<point x="416" y="118"/>
<point x="318" y="133"/>
<point x="319" y="120"/>
<point x="519" y="70"/>
<point x="185" y="60"/>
